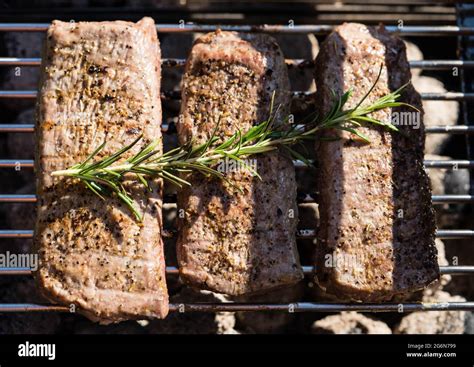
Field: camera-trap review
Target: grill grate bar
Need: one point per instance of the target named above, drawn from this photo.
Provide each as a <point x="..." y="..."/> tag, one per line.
<point x="454" y="164"/>
<point x="265" y="28"/>
<point x="281" y="307"/>
<point x="17" y="198"/>
<point x="20" y="163"/>
<point x="176" y="95"/>
<point x="302" y="233"/>
<point x="175" y="62"/>
<point x="308" y="270"/>
<point x="17" y="128"/>
<point x="443" y="129"/>
<point x="439" y="129"/>
<point x="440" y="64"/>
<point x="452" y="199"/>
<point x="448" y="96"/>
<point x="446" y="234"/>
<point x="300" y="63"/>
<point x="437" y="199"/>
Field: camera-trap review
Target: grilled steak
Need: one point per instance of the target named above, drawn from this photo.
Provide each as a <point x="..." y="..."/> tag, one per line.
<point x="100" y="82"/>
<point x="231" y="241"/>
<point x="376" y="237"/>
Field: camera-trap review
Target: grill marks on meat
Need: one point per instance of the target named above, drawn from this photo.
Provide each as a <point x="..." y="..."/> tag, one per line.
<point x="231" y="241"/>
<point x="100" y="81"/>
<point x="376" y="237"/>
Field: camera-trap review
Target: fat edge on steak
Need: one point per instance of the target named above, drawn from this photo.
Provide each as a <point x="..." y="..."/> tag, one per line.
<point x="231" y="241"/>
<point x="100" y="82"/>
<point x="377" y="231"/>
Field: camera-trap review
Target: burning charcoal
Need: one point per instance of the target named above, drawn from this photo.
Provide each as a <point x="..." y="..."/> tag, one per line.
<point x="308" y="218"/>
<point x="459" y="252"/>
<point x="192" y="322"/>
<point x="269" y="322"/>
<point x="174" y="46"/>
<point x="414" y="54"/>
<point x="349" y="323"/>
<point x="436" y="113"/>
<point x="437" y="175"/>
<point x="306" y="177"/>
<point x="448" y="182"/>
<point x="23" y="290"/>
<point x="84" y="326"/>
<point x="170" y="141"/>
<point x="469" y="324"/>
<point x="442" y="261"/>
<point x="434" y="322"/>
<point x="299" y="46"/>
<point x="457" y="182"/>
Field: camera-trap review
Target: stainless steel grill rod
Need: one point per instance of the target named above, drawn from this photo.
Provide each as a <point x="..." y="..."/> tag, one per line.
<point x="437" y="199"/>
<point x="17" y="198"/>
<point x="440" y="64"/>
<point x="450" y="164"/>
<point x="17" y="128"/>
<point x="282" y="307"/>
<point x="323" y="307"/>
<point x="452" y="199"/>
<point x="447" y="129"/>
<point x="174" y="62"/>
<point x="300" y="63"/>
<point x="265" y="28"/>
<point x="16" y="163"/>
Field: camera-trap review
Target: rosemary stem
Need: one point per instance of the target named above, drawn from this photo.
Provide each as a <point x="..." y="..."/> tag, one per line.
<point x="210" y="156"/>
<point x="270" y="145"/>
<point x="66" y="172"/>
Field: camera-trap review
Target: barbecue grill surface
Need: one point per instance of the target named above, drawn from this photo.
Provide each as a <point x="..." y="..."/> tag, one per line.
<point x="426" y="25"/>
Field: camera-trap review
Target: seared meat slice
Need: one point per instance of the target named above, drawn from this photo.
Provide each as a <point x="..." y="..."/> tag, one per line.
<point x="100" y="82"/>
<point x="377" y="231"/>
<point x="231" y="241"/>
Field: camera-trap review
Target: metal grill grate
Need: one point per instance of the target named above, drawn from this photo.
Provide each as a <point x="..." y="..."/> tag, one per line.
<point x="419" y="31"/>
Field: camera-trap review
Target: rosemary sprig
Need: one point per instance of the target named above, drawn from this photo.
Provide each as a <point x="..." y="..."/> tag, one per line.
<point x="105" y="178"/>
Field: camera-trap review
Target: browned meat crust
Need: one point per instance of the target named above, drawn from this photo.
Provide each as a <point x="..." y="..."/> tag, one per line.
<point x="230" y="241"/>
<point x="376" y="237"/>
<point x="100" y="81"/>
